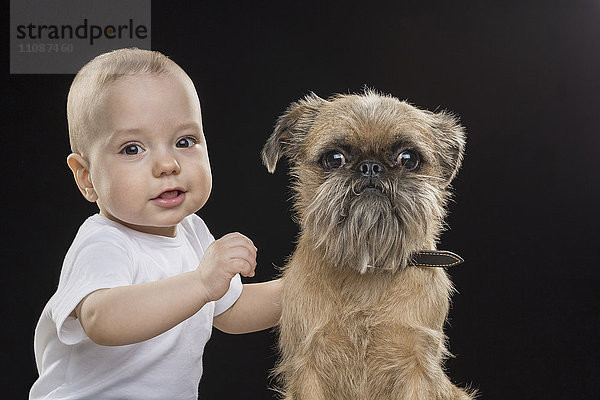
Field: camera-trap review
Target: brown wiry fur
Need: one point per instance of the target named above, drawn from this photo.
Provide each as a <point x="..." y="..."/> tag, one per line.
<point x="359" y="322"/>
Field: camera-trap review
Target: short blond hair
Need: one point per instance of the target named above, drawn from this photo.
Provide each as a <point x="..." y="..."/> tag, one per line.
<point x="86" y="92"/>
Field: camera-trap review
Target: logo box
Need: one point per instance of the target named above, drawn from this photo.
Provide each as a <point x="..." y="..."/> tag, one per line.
<point x="60" y="36"/>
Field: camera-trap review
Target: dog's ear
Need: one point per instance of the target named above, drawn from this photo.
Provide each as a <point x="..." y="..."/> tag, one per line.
<point x="450" y="144"/>
<point x="291" y="129"/>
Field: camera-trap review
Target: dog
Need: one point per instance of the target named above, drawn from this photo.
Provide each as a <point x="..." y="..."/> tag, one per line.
<point x="371" y="180"/>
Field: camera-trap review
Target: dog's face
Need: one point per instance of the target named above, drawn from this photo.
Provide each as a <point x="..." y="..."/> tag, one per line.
<point x="371" y="175"/>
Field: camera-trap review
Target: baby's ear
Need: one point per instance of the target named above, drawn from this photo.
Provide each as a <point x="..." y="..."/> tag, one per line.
<point x="80" y="168"/>
<point x="450" y="144"/>
<point x="291" y="129"/>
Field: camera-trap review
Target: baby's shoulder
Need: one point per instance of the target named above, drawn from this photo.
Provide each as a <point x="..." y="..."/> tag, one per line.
<point x="193" y="225"/>
<point x="99" y="229"/>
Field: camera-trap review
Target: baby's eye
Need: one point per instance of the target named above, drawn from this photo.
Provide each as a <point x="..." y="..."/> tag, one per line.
<point x="186" y="142"/>
<point x="132" y="149"/>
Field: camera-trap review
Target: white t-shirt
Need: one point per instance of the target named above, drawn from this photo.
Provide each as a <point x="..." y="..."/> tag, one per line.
<point x="105" y="254"/>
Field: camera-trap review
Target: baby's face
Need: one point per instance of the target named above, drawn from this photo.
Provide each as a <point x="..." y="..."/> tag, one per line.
<point x="149" y="166"/>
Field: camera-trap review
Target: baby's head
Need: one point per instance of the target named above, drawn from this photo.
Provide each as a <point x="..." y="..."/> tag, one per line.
<point x="136" y="135"/>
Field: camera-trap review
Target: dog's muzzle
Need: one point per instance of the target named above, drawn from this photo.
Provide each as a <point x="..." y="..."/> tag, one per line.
<point x="371" y="172"/>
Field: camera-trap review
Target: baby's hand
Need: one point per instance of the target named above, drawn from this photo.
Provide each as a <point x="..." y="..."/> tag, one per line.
<point x="232" y="254"/>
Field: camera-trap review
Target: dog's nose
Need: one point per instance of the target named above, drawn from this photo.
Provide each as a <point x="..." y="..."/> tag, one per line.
<point x="370" y="169"/>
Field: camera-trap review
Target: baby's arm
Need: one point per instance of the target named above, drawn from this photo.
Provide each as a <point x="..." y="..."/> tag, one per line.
<point x="258" y="308"/>
<point x="131" y="314"/>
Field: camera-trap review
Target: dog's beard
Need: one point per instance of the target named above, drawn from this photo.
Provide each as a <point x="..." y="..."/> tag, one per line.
<point x="375" y="229"/>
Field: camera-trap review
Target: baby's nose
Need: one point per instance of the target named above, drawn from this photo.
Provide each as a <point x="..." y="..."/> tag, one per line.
<point x="166" y="165"/>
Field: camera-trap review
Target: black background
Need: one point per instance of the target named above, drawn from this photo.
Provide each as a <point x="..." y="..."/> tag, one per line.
<point x="523" y="76"/>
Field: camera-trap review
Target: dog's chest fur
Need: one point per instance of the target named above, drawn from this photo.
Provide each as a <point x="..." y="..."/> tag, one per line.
<point x="354" y="327"/>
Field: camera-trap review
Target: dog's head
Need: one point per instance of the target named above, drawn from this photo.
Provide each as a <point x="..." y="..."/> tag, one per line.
<point x="371" y="175"/>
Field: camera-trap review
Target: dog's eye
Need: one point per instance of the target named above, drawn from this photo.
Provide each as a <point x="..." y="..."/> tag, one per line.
<point x="409" y="160"/>
<point x="333" y="159"/>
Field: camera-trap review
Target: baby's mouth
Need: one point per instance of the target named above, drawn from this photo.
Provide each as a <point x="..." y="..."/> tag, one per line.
<point x="170" y="198"/>
<point x="169" y="194"/>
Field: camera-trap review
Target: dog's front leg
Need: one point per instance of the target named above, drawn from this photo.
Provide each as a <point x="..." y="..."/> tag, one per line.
<point x="406" y="363"/>
<point x="298" y="370"/>
<point x="305" y="385"/>
<point x="300" y="342"/>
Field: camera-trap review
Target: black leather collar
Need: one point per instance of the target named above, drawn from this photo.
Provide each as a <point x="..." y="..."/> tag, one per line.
<point x="435" y="258"/>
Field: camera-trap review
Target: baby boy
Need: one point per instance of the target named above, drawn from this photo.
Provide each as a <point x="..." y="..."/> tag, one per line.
<point x="144" y="281"/>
